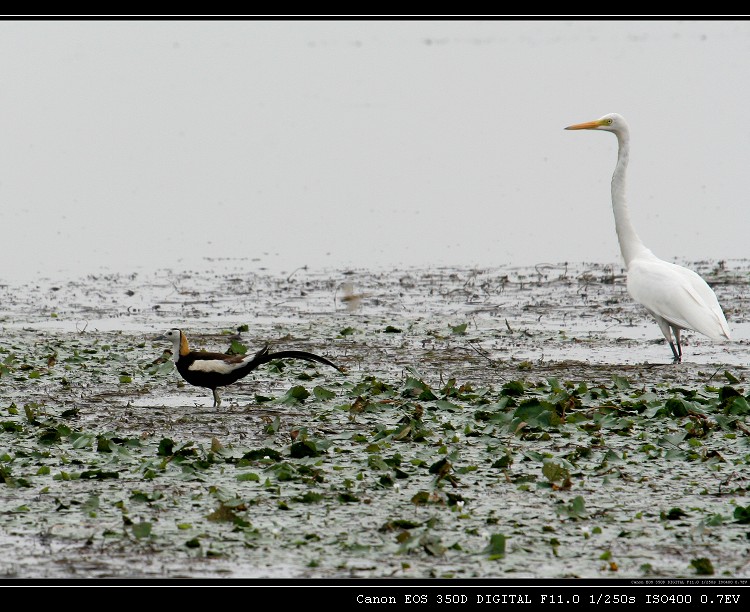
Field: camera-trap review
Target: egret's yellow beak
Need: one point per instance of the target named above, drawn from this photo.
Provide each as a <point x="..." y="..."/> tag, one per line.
<point x="589" y="125"/>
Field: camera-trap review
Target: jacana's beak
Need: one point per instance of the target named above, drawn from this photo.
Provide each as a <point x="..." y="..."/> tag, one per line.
<point x="588" y="125"/>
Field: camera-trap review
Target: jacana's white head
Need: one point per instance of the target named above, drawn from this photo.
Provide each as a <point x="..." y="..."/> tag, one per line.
<point x="179" y="342"/>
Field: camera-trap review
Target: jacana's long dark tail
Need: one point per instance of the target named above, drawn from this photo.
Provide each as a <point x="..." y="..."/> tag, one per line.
<point x="266" y="357"/>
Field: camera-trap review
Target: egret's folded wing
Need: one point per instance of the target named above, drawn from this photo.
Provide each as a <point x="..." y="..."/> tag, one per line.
<point x="678" y="295"/>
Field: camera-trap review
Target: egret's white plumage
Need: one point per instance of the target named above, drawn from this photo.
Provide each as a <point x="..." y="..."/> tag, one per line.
<point x="677" y="297"/>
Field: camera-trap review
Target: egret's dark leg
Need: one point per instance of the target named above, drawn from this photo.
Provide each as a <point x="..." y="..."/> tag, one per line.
<point x="677" y="352"/>
<point x="217" y="399"/>
<point x="667" y="331"/>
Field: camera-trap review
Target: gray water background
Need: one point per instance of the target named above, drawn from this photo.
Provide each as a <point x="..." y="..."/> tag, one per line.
<point x="138" y="145"/>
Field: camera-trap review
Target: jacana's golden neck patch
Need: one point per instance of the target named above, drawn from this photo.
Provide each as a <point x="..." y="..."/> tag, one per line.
<point x="184" y="346"/>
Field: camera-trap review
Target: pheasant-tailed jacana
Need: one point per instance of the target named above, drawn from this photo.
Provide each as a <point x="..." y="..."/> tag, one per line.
<point x="213" y="370"/>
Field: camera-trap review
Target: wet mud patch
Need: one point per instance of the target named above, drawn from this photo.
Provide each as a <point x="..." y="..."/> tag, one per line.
<point x="509" y="423"/>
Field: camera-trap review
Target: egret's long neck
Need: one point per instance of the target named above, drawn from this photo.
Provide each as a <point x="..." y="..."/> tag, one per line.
<point x="630" y="244"/>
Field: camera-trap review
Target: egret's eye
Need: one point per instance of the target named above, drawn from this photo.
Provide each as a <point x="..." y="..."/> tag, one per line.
<point x="609" y="121"/>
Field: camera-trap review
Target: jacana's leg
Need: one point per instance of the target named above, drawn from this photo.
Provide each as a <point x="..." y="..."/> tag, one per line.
<point x="217" y="399"/>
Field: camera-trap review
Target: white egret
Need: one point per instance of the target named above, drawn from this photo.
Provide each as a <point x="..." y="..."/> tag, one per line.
<point x="677" y="297"/>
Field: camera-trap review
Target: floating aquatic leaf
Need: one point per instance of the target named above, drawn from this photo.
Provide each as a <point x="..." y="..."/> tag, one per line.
<point x="295" y="395"/>
<point x="575" y="509"/>
<point x="30" y="411"/>
<point x="262" y="453"/>
<point x="496" y="548"/>
<point x="432" y="544"/>
<point x="673" y="440"/>
<point x="165" y="447"/>
<point x="554" y="472"/>
<point x="376" y="462"/>
<point x="420" y="498"/>
<point x="322" y="393"/>
<point x="714" y="520"/>
<point x="459" y="329"/>
<point x="414" y="387"/>
<point x="307" y="448"/>
<point x="673" y="514"/>
<point x="248" y="476"/>
<point x="284" y="471"/>
<point x="91" y="505"/>
<point x="310" y="497"/>
<point x="446" y="405"/>
<point x="98" y="474"/>
<point x="738" y="405"/>
<point x="398" y="525"/>
<point x="513" y="388"/>
<point x="703" y="566"/>
<point x="504" y="461"/>
<point x="621" y="382"/>
<point x="742" y="514"/>
<point x="678" y="407"/>
<point x="237" y="348"/>
<point x="223" y="513"/>
<point x="142" y="529"/>
<point x="730" y="377"/>
<point x="536" y="414"/>
<point x="49" y="436"/>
